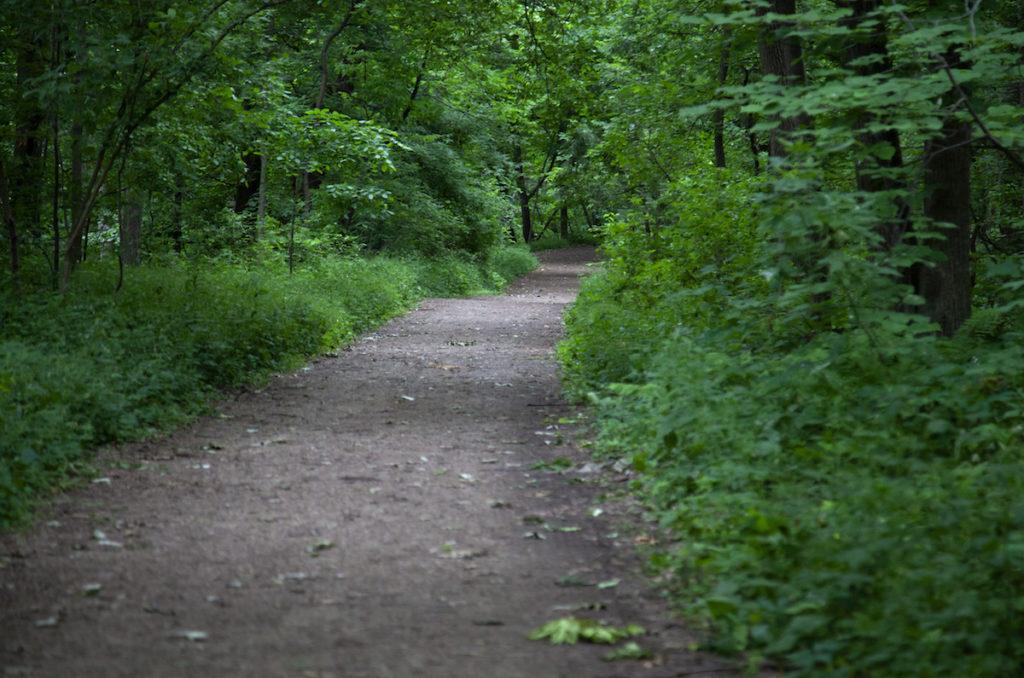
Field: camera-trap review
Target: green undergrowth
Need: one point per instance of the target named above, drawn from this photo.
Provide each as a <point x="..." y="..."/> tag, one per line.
<point x="156" y="353"/>
<point x="845" y="503"/>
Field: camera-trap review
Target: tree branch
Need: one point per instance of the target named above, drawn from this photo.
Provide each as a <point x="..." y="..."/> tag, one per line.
<point x="1009" y="153"/>
<point x="338" y="30"/>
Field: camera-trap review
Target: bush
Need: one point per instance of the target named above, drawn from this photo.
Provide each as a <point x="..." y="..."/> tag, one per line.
<point x="845" y="503"/>
<point x="154" y="354"/>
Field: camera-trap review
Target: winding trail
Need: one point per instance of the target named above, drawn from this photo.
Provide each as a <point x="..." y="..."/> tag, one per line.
<point x="376" y="514"/>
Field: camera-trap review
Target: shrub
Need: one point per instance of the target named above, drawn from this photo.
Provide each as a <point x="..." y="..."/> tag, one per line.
<point x="845" y="502"/>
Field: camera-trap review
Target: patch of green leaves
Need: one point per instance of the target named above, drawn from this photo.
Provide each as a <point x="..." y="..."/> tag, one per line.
<point x="571" y="630"/>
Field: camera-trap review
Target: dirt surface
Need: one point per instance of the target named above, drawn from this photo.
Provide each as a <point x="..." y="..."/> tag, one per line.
<point x="376" y="514"/>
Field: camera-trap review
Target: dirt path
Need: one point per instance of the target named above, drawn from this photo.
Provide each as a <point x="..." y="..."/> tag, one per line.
<point x="375" y="514"/>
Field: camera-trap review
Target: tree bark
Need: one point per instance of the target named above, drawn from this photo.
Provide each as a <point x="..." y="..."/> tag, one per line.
<point x="261" y="210"/>
<point x="946" y="285"/>
<point x="526" y="216"/>
<point x="250" y="184"/>
<point x="130" y="229"/>
<point x="177" y="229"/>
<point x="27" y="177"/>
<point x="748" y="124"/>
<point x="55" y="203"/>
<point x="75" y="246"/>
<point x="782" y="57"/>
<point x="875" y="174"/>
<point x="415" y="90"/>
<point x="563" y="222"/>
<point x="7" y="217"/>
<point x="718" y="120"/>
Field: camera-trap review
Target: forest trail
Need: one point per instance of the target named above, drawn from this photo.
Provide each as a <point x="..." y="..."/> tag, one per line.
<point x="376" y="514"/>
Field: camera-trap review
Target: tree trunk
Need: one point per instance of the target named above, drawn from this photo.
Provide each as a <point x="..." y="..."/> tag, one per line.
<point x="415" y="90"/>
<point x="875" y="174"/>
<point x="250" y="184"/>
<point x="946" y="285"/>
<point x="27" y="177"/>
<point x="177" y="229"/>
<point x="55" y="203"/>
<point x="782" y="57"/>
<point x="261" y="210"/>
<point x="7" y="217"/>
<point x="748" y="124"/>
<point x="130" y="229"/>
<point x="75" y="248"/>
<point x="718" y="120"/>
<point x="524" y="193"/>
<point x="591" y="222"/>
<point x="563" y="222"/>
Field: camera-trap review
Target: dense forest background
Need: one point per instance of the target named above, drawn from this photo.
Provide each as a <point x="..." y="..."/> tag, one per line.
<point x="806" y="335"/>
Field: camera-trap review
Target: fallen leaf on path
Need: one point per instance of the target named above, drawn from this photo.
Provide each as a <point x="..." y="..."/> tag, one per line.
<point x="101" y="481"/>
<point x="631" y="650"/>
<point x="191" y="636"/>
<point x="101" y="540"/>
<point x="467" y="477"/>
<point x="48" y="622"/>
<point x="609" y="584"/>
<point x="533" y="535"/>
<point x="91" y="589"/>
<point x="319" y="547"/>
<point x="569" y="630"/>
<point x="499" y="504"/>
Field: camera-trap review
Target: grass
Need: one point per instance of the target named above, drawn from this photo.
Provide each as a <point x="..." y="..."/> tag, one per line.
<point x="94" y="367"/>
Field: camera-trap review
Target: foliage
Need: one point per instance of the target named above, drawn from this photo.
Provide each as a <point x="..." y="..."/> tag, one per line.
<point x="570" y="630"/>
<point x="843" y="482"/>
<point x="848" y="502"/>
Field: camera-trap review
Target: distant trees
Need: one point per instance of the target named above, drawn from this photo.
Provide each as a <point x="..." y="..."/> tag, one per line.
<point x="283" y="122"/>
<point x="202" y="108"/>
<point x="874" y="118"/>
